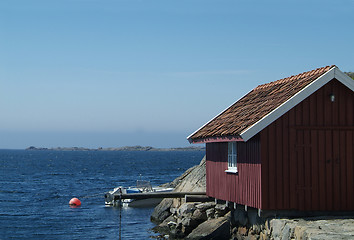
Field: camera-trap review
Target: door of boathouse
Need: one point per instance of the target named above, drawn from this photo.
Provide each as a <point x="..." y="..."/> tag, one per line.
<point x="322" y="173"/>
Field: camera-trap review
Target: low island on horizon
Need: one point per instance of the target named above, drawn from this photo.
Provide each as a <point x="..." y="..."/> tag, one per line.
<point x="125" y="148"/>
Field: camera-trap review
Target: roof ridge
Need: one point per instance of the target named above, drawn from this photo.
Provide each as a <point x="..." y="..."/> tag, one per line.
<point x="295" y="77"/>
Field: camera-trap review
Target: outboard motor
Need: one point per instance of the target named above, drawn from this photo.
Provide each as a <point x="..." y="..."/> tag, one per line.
<point x="109" y="196"/>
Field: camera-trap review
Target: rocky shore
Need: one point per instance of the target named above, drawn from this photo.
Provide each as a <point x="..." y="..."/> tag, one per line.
<point x="177" y="219"/>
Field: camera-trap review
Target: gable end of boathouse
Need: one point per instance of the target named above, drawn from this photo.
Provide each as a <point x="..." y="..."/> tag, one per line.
<point x="286" y="145"/>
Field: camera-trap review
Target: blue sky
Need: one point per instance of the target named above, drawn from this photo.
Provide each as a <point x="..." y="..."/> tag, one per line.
<point x="106" y="73"/>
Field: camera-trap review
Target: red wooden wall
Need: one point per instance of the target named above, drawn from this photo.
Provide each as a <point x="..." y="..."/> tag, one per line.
<point x="243" y="187"/>
<point x="308" y="154"/>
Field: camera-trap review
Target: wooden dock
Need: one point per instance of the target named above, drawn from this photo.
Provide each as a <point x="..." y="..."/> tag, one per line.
<point x="147" y="195"/>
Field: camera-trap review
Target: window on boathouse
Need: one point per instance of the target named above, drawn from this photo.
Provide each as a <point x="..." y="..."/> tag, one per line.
<point x="232" y="157"/>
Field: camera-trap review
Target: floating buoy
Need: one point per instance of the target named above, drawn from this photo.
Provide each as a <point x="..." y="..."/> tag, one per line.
<point x="74" y="202"/>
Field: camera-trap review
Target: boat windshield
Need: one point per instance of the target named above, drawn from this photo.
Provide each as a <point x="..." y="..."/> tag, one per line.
<point x="143" y="184"/>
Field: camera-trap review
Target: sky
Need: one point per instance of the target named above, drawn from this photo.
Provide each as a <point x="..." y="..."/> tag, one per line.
<point x="110" y="73"/>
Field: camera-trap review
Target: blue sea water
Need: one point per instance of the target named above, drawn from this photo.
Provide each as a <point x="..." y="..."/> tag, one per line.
<point x="36" y="186"/>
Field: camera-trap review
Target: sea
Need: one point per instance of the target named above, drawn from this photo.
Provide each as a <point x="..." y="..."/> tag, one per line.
<point x="37" y="185"/>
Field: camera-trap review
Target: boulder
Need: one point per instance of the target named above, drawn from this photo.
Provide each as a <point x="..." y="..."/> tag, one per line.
<point x="173" y="211"/>
<point x="276" y="226"/>
<point x="218" y="228"/>
<point x="221" y="210"/>
<point x="188" y="224"/>
<point x="166" y="226"/>
<point x="199" y="215"/>
<point x="210" y="213"/>
<point x="186" y="210"/>
<point x="205" y="206"/>
<point x="162" y="211"/>
<point x="288" y="231"/>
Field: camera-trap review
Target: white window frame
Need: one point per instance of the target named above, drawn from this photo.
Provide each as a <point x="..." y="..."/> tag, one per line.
<point x="232" y="157"/>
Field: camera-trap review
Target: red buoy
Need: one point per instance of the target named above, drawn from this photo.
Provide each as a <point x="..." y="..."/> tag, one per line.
<point x="74" y="202"/>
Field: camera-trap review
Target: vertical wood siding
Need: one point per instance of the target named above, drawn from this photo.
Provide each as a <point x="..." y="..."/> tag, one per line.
<point x="308" y="154"/>
<point x="243" y="187"/>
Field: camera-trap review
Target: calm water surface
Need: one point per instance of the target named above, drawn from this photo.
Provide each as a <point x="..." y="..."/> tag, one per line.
<point x="36" y="186"/>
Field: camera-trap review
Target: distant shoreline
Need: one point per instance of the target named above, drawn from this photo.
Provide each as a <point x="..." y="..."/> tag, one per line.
<point x="126" y="148"/>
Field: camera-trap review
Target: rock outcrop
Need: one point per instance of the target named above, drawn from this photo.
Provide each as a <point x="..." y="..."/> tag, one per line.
<point x="217" y="228"/>
<point x="249" y="226"/>
<point x="324" y="228"/>
<point x="192" y="180"/>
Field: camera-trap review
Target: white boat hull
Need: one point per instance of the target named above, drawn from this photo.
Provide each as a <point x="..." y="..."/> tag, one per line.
<point x="149" y="202"/>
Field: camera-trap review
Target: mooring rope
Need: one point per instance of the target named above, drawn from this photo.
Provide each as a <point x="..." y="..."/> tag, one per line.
<point x="95" y="195"/>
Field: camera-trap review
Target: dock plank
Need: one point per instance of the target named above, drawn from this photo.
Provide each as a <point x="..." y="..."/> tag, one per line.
<point x="155" y="195"/>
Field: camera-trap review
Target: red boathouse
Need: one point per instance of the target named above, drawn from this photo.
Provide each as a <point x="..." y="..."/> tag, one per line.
<point x="286" y="145"/>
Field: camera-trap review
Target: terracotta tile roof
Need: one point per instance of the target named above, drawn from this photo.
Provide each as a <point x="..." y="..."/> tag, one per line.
<point x="256" y="104"/>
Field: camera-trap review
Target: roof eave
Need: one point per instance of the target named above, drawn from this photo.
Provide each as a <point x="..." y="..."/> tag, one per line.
<point x="216" y="139"/>
<point x="189" y="138"/>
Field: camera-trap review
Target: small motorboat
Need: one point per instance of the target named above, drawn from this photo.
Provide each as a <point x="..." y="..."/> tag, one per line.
<point x="141" y="187"/>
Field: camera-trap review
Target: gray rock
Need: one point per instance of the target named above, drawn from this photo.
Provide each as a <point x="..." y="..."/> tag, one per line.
<point x="165" y="226"/>
<point x="288" y="231"/>
<point x="325" y="228"/>
<point x="210" y="213"/>
<point x="162" y="211"/>
<point x="276" y="226"/>
<point x="221" y="207"/>
<point x="176" y="231"/>
<point x="186" y="210"/>
<point x="218" y="228"/>
<point x="199" y="215"/>
<point x="173" y="211"/>
<point x="204" y="206"/>
<point x="179" y="179"/>
<point x="179" y="222"/>
<point x="172" y="224"/>
<point x="188" y="224"/>
<point x="195" y="181"/>
<point x="221" y="210"/>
